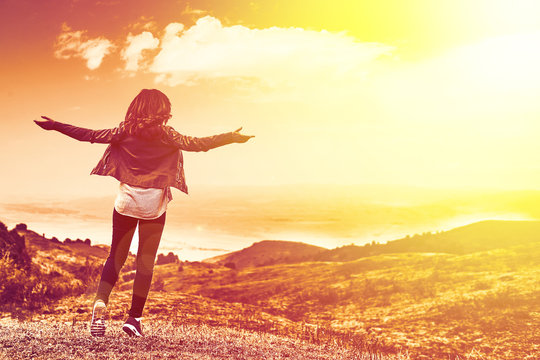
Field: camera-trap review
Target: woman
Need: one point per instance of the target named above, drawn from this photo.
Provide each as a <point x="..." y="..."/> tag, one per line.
<point x="145" y="155"/>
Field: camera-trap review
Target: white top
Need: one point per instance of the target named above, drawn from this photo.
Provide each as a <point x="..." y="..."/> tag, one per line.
<point x="142" y="203"/>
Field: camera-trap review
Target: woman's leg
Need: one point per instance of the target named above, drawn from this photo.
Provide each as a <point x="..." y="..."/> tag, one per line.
<point x="123" y="230"/>
<point x="149" y="237"/>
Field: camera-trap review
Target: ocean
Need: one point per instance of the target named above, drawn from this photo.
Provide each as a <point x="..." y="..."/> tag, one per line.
<point x="215" y="221"/>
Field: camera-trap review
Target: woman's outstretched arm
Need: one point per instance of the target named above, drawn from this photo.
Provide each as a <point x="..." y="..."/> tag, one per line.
<point x="190" y="143"/>
<point x="94" y="136"/>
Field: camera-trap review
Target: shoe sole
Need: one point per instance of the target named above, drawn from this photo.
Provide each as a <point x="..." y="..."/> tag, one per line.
<point x="97" y="329"/>
<point x="98" y="325"/>
<point x="131" y="330"/>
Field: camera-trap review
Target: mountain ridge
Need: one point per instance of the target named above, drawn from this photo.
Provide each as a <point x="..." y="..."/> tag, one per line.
<point x="267" y="252"/>
<point x="474" y="237"/>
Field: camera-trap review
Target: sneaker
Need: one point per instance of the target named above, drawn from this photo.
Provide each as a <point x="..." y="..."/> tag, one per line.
<point x="99" y="317"/>
<point x="133" y="327"/>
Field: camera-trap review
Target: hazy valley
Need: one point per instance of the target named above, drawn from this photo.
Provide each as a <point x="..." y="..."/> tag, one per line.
<point x="215" y="221"/>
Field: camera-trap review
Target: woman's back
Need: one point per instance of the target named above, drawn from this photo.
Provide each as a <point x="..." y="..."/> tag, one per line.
<point x="145" y="155"/>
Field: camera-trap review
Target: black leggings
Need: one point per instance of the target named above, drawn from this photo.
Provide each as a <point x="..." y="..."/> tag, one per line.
<point x="149" y="236"/>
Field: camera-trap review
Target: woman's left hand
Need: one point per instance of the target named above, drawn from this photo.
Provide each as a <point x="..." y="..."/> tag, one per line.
<point x="241" y="138"/>
<point x="46" y="124"/>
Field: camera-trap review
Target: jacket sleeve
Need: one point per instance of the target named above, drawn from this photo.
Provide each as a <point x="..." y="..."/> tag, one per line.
<point x="104" y="136"/>
<point x="190" y="143"/>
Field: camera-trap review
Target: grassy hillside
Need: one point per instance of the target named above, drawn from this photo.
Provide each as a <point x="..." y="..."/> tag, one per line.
<point x="476" y="304"/>
<point x="64" y="258"/>
<point x="440" y="305"/>
<point x="56" y="327"/>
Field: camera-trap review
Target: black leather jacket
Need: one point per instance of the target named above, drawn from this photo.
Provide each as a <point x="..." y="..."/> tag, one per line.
<point x="155" y="163"/>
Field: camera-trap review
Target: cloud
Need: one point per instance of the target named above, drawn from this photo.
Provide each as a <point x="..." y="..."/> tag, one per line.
<point x="144" y="23"/>
<point x="274" y="55"/>
<point x="76" y="44"/>
<point x="132" y="54"/>
<point x="39" y="209"/>
<point x="191" y="11"/>
<point x="271" y="57"/>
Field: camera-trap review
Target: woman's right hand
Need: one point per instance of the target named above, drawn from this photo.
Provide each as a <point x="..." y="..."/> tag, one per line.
<point x="241" y="138"/>
<point x="46" y="124"/>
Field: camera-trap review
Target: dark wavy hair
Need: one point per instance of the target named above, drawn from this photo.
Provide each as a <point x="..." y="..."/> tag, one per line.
<point x="147" y="113"/>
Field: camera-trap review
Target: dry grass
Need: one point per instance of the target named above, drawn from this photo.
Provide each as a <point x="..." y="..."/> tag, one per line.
<point x="480" y="306"/>
<point x="163" y="340"/>
<point x="181" y="309"/>
<point x="475" y="306"/>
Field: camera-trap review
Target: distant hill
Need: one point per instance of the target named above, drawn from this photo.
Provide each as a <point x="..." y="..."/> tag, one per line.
<point x="52" y="255"/>
<point x="269" y="252"/>
<point x="480" y="236"/>
<point x="68" y="256"/>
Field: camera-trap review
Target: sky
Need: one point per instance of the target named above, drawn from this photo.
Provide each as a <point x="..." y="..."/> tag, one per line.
<point x="437" y="94"/>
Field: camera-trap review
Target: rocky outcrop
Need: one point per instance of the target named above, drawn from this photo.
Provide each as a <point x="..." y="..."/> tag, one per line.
<point x="13" y="246"/>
